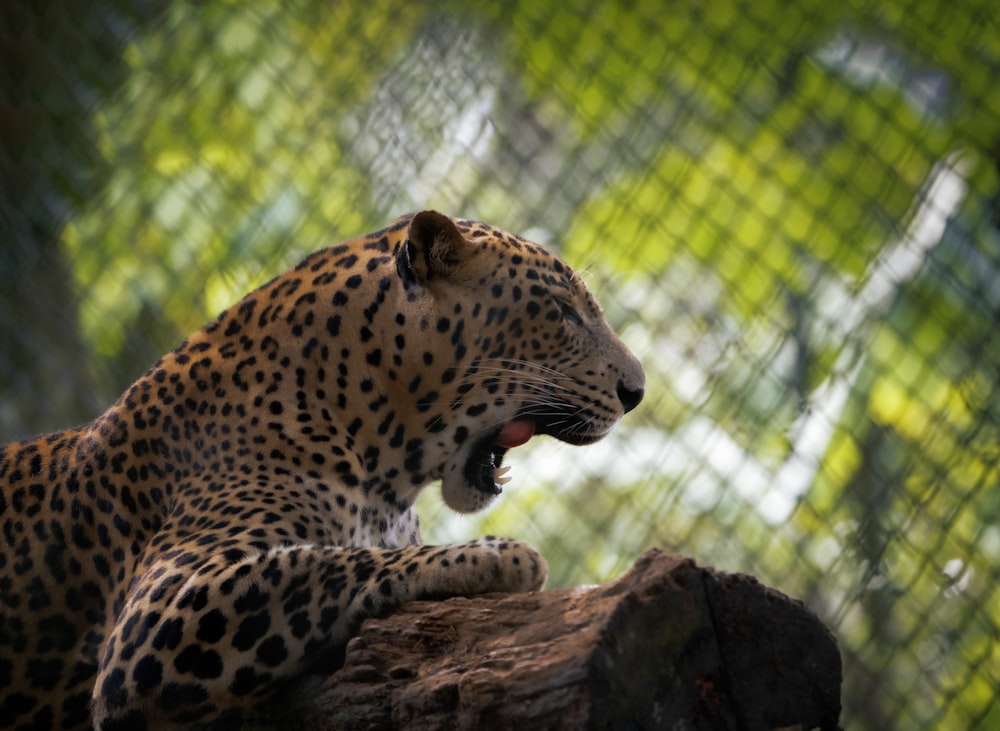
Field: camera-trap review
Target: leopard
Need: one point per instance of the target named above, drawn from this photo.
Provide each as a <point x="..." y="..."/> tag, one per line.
<point x="224" y="528"/>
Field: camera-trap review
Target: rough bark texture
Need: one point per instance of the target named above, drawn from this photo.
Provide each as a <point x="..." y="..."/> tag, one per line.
<point x="669" y="645"/>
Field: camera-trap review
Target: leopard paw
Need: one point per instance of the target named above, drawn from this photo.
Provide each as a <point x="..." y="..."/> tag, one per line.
<point x="516" y="566"/>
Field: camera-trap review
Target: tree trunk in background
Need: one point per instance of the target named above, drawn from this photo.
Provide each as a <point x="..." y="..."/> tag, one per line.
<point x="49" y="165"/>
<point x="669" y="645"/>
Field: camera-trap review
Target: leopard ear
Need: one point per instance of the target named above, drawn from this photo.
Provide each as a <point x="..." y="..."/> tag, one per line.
<point x="434" y="249"/>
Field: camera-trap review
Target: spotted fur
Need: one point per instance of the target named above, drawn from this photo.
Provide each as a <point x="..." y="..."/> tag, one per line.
<point x="229" y="522"/>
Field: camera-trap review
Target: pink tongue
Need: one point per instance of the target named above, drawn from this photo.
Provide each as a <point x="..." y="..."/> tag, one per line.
<point x="515" y="433"/>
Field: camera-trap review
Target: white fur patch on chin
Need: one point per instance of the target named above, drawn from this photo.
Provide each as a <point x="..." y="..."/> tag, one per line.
<point x="459" y="495"/>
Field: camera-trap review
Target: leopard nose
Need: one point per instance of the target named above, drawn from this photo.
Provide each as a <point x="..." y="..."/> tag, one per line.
<point x="630" y="396"/>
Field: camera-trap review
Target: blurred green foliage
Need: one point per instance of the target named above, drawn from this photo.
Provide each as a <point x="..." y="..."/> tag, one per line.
<point x="790" y="210"/>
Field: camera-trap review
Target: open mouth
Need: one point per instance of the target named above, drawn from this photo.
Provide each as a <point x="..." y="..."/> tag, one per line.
<point x="484" y="469"/>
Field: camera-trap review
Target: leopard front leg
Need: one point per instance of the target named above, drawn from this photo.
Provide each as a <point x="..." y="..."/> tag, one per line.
<point x="192" y="643"/>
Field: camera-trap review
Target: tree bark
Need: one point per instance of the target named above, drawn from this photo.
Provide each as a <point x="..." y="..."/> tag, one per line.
<point x="668" y="645"/>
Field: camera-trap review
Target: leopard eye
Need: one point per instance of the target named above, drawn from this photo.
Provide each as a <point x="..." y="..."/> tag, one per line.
<point x="570" y="314"/>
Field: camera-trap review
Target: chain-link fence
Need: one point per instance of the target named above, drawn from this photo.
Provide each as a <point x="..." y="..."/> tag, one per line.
<point x="790" y="211"/>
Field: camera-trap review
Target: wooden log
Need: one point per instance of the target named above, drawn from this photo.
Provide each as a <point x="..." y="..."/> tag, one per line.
<point x="668" y="645"/>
